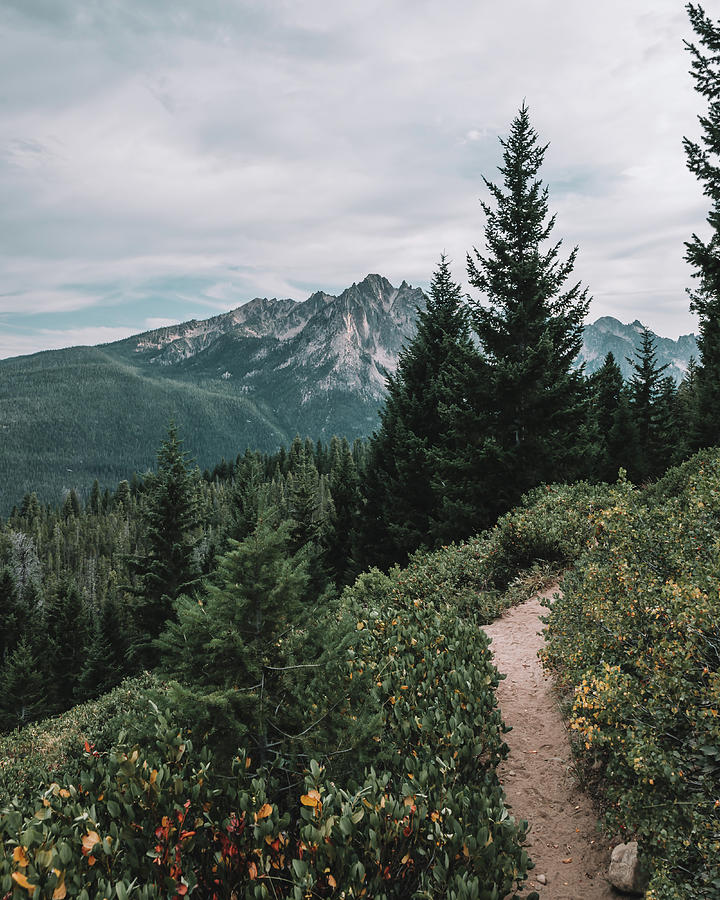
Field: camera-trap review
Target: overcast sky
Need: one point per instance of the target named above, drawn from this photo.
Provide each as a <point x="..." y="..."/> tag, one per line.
<point x="165" y="159"/>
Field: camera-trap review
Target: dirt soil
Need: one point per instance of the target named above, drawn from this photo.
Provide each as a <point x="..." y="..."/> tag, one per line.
<point x="537" y="776"/>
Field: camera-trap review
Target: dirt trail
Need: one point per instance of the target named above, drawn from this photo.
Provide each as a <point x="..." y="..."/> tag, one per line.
<point x="563" y="840"/>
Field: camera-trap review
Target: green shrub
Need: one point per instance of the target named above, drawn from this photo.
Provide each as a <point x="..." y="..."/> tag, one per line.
<point x="46" y="751"/>
<point x="402" y="715"/>
<point x="636" y="636"/>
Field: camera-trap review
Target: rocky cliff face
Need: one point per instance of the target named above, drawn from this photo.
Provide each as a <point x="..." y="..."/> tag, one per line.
<point x="327" y="344"/>
<point x="608" y="335"/>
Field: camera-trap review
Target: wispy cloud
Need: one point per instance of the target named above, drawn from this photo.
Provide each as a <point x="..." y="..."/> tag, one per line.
<point x="168" y="153"/>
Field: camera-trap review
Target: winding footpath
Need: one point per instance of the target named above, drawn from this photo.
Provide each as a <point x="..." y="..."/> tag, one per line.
<point x="568" y="850"/>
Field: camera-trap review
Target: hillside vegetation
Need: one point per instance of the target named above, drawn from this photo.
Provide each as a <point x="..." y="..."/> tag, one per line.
<point x="400" y="742"/>
<point x="635" y="638"/>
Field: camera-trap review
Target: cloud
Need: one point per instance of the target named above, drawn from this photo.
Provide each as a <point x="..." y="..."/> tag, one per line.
<point x="161" y="152"/>
<point x="48" y="339"/>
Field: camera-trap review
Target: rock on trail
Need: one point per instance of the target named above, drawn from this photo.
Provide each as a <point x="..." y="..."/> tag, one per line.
<point x="563" y="842"/>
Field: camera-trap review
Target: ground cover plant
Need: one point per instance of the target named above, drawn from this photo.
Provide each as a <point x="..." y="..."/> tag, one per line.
<point x="403" y="800"/>
<point x="635" y="636"/>
<point x="153" y="821"/>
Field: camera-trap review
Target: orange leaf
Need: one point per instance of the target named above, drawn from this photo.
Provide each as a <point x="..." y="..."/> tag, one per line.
<point x="21" y="879"/>
<point x="264" y="811"/>
<point x="89" y="841"/>
<point x="252" y="871"/>
<point x="331" y="881"/>
<point x="60" y="892"/>
<point x="312" y="798"/>
<point x="20" y="856"/>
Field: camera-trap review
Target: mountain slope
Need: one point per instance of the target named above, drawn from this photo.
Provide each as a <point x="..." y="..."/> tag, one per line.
<point x="251" y="377"/>
<point x="608" y="335"/>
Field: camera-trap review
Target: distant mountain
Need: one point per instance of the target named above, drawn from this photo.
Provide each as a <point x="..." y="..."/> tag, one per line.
<point x="253" y="377"/>
<point x="608" y="335"/>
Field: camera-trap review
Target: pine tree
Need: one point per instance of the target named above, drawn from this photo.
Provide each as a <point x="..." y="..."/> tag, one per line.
<point x="65" y="644"/>
<point x="687" y="411"/>
<point x="104" y="661"/>
<point x="95" y="501"/>
<point x="345" y="491"/>
<point x="404" y="500"/>
<point x="670" y="451"/>
<point x="169" y="566"/>
<point x="237" y="637"/>
<point x="645" y="392"/>
<point x="703" y="160"/>
<point x="613" y="436"/>
<point x="22" y="688"/>
<point x="529" y="324"/>
<point x="12" y="614"/>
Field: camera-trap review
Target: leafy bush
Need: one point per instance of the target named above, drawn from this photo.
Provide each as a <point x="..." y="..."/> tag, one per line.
<point x="157" y="823"/>
<point x="49" y="750"/>
<point x="402" y="714"/>
<point x="636" y="636"/>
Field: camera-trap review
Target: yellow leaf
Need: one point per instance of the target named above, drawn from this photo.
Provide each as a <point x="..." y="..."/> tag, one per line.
<point x="264" y="811"/>
<point x="64" y="793"/>
<point x="20" y="856"/>
<point x="21" y="879"/>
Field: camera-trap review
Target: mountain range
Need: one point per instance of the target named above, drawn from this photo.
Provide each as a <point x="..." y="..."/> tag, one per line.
<point x="252" y="377"/>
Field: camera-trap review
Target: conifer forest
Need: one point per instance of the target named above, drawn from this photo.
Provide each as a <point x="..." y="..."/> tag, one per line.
<point x="269" y="678"/>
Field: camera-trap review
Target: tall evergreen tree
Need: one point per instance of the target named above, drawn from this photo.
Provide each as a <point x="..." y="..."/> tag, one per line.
<point x="529" y="324"/>
<point x="613" y="435"/>
<point x="65" y="644"/>
<point x="416" y="422"/>
<point x="345" y="491"/>
<point x="22" y="688"/>
<point x="703" y="159"/>
<point x="169" y="566"/>
<point x="645" y="389"/>
<point x="236" y="639"/>
<point x="104" y="661"/>
<point x="687" y="411"/>
<point x="669" y="425"/>
<point x="12" y="614"/>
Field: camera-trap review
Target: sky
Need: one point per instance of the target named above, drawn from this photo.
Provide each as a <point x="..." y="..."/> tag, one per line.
<point x="162" y="160"/>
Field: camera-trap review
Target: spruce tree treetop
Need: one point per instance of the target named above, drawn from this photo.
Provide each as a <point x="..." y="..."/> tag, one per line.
<point x="528" y="320"/>
<point x="416" y="424"/>
<point x="521" y="279"/>
<point x="703" y="160"/>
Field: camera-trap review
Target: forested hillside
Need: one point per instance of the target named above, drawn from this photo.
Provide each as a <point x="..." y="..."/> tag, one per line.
<point x="68" y="417"/>
<point x="251" y="378"/>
